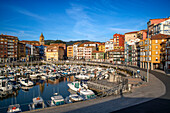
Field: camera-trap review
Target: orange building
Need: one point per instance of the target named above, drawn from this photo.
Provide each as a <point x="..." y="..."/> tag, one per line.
<point x="118" y="40"/>
<point x="69" y="52"/>
<point x="154" y="53"/>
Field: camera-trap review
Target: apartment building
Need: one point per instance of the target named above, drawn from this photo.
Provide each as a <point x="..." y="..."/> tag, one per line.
<point x="118" y="40"/>
<point x="141" y="35"/>
<point x="21" y="52"/>
<point x="130" y="47"/>
<point x="158" y="26"/>
<point x="75" y="46"/>
<point x="115" y="56"/>
<point x="101" y="47"/>
<point x="98" y="56"/>
<point x="70" y="52"/>
<point x="153" y="54"/>
<point x="8" y="48"/>
<point x="84" y="50"/>
<point x="54" y="53"/>
<point x="167" y="56"/>
<point x="109" y="45"/>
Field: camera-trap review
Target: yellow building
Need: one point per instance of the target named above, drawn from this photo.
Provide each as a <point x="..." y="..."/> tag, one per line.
<point x="70" y="52"/>
<point x="102" y="47"/>
<point x="154" y="51"/>
<point x="54" y="53"/>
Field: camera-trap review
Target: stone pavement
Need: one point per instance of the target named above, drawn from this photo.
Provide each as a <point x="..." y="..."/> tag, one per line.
<point x="148" y="91"/>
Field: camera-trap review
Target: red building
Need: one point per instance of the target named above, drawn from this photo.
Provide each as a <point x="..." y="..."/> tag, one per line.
<point x="118" y="41"/>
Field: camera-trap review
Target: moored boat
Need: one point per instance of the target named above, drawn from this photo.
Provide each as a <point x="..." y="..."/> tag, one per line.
<point x="38" y="103"/>
<point x="14" y="109"/>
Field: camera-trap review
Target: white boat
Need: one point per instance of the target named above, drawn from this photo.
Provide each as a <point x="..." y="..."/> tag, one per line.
<point x="56" y="100"/>
<point x="75" y="98"/>
<point x="43" y="77"/>
<point x="26" y="82"/>
<point x="38" y="103"/>
<point x="11" y="78"/>
<point x="5" y="85"/>
<point x="82" y="76"/>
<point x="14" y="109"/>
<point x="87" y="93"/>
<point x="75" y="86"/>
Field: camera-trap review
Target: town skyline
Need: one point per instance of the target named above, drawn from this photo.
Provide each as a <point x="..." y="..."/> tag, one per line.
<point x="77" y="20"/>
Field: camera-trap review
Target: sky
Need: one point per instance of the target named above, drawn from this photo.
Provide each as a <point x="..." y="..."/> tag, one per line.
<point x="95" y="20"/>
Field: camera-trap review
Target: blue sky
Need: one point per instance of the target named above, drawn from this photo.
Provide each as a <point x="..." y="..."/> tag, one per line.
<point x="95" y="20"/>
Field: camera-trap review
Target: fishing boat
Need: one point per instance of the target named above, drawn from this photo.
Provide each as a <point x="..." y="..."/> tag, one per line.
<point x="14" y="109"/>
<point x="75" y="86"/>
<point x="38" y="103"/>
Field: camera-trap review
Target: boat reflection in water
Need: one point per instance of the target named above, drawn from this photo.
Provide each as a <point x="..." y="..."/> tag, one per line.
<point x="43" y="89"/>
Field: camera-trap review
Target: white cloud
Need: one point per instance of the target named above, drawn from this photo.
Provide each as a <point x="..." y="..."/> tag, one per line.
<point x="26" y="12"/>
<point x="121" y="30"/>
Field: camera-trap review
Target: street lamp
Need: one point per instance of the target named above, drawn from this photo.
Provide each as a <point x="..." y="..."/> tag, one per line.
<point x="148" y="62"/>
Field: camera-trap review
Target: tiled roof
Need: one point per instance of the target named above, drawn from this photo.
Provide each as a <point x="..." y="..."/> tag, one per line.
<point x="6" y="35"/>
<point x="98" y="51"/>
<point x="116" y="50"/>
<point x="144" y="30"/>
<point x="30" y="41"/>
<point x="81" y="45"/>
<point x="90" y="47"/>
<point x="131" y="32"/>
<point x="160" y="36"/>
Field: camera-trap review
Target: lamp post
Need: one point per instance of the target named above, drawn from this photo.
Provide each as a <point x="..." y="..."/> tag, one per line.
<point x="148" y="62"/>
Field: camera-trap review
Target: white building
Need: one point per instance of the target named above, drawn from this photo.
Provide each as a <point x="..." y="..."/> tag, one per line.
<point x="162" y="28"/>
<point x="109" y="45"/>
<point x="75" y="47"/>
<point x="84" y="51"/>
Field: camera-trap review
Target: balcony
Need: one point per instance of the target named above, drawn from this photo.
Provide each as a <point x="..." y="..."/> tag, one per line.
<point x="162" y="50"/>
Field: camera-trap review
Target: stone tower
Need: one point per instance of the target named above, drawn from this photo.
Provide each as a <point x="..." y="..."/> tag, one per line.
<point x="41" y="41"/>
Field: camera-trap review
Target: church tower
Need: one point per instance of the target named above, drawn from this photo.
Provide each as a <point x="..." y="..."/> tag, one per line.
<point x="41" y="41"/>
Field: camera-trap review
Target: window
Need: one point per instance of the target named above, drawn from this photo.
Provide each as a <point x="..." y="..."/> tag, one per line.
<point x="156" y="52"/>
<point x="156" y="47"/>
<point x="162" y="40"/>
<point x="149" y="58"/>
<point x="156" y="41"/>
<point x="156" y="58"/>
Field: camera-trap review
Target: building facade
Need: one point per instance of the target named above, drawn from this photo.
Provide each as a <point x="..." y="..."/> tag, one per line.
<point x="102" y="47"/>
<point x="115" y="56"/>
<point x="109" y="45"/>
<point x="21" y="52"/>
<point x="98" y="56"/>
<point x="8" y="48"/>
<point x="130" y="47"/>
<point x="70" y="52"/>
<point x="54" y="53"/>
<point x="118" y="40"/>
<point x="75" y="46"/>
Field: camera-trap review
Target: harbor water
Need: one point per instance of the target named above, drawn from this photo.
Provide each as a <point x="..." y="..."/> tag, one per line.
<point x="45" y="89"/>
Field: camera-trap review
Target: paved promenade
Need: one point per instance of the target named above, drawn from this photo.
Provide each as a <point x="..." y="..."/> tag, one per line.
<point x="154" y="89"/>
